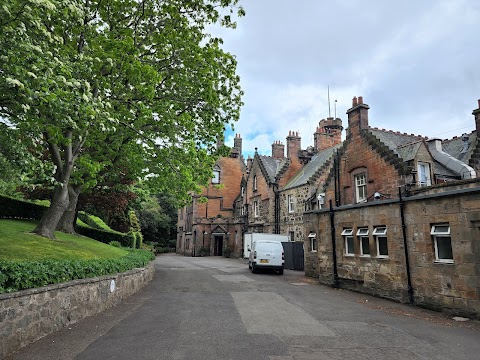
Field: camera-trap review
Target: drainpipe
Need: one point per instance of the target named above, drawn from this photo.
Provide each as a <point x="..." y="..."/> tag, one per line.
<point x="405" y="246"/>
<point x="335" y="179"/>
<point x="339" y="197"/>
<point x="277" y="209"/>
<point x="334" y="246"/>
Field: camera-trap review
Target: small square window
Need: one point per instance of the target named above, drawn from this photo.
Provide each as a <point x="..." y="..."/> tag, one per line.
<point x="443" y="243"/>
<point x="362" y="232"/>
<point x="380" y="233"/>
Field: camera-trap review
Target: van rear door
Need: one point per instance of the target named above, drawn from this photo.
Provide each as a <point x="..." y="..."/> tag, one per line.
<point x="269" y="253"/>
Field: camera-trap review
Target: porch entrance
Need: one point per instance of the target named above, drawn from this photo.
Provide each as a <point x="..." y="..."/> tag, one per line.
<point x="218" y="250"/>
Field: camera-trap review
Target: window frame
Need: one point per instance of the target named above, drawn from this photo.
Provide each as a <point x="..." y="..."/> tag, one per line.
<point x="358" y="186"/>
<point x="254" y="182"/>
<point x="348" y="234"/>
<point x="380" y="232"/>
<point x="313" y="242"/>
<point x="428" y="179"/>
<point x="437" y="235"/>
<point x="290" y="204"/>
<point x="256" y="211"/>
<point x="362" y="235"/>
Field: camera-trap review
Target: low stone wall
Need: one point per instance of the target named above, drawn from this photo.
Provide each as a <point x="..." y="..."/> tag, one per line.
<point x="28" y="315"/>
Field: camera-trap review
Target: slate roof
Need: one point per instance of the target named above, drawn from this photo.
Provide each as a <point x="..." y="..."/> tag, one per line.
<point x="454" y="147"/>
<point x="271" y="166"/>
<point x="397" y="142"/>
<point x="309" y="170"/>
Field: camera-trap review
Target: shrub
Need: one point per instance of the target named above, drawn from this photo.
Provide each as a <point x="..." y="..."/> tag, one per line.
<point x="93" y="221"/>
<point x="115" y="243"/>
<point x="17" y="275"/>
<point x="126" y="240"/>
<point x="11" y="208"/>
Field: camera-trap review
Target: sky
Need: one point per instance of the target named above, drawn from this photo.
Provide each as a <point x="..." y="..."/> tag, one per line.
<point x="416" y="64"/>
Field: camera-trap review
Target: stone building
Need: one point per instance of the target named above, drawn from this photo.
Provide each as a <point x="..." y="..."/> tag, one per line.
<point x="210" y="228"/>
<point x="402" y="219"/>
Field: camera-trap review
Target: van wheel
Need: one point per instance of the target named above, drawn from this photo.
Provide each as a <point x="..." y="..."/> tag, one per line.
<point x="254" y="269"/>
<point x="280" y="272"/>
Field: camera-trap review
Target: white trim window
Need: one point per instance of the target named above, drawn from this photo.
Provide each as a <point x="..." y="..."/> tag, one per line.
<point x="255" y="183"/>
<point x="255" y="209"/>
<point x="216" y="175"/>
<point x="443" y="243"/>
<point x="313" y="242"/>
<point x="364" y="241"/>
<point x="380" y="234"/>
<point x="361" y="187"/>
<point x="349" y="244"/>
<point x="291" y="204"/>
<point x="242" y="210"/>
<point x="424" y="174"/>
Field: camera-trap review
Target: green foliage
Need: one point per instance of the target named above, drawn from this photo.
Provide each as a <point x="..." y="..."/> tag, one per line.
<point x="158" y="218"/>
<point x="115" y="244"/>
<point x="203" y="251"/>
<point x="93" y="221"/>
<point x="19" y="275"/>
<point x="104" y="236"/>
<point x="148" y="79"/>
<point x="20" y="209"/>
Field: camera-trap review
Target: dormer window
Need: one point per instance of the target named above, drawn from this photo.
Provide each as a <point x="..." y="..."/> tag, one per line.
<point x="424" y="174"/>
<point x="216" y="175"/>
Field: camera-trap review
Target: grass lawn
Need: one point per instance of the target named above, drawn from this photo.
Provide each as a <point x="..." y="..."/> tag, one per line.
<point x="18" y="243"/>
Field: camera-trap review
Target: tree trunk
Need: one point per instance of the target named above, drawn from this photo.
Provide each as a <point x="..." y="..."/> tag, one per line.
<point x="67" y="221"/>
<point x="46" y="227"/>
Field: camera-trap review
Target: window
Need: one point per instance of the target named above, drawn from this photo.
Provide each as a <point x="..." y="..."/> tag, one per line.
<point x="364" y="241"/>
<point x="255" y="183"/>
<point x="380" y="234"/>
<point x="349" y="249"/>
<point x="313" y="242"/>
<point x="291" y="207"/>
<point x="242" y="210"/>
<point x="361" y="187"/>
<point x="424" y="174"/>
<point x="443" y="243"/>
<point x="242" y="191"/>
<point x="320" y="200"/>
<point x="255" y="208"/>
<point x="216" y="177"/>
<point x="292" y="235"/>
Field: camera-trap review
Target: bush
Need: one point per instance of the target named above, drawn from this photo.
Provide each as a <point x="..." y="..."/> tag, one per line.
<point x="20" y="275"/>
<point x="126" y="240"/>
<point x="93" y="221"/>
<point x="11" y="208"/>
<point x="115" y="244"/>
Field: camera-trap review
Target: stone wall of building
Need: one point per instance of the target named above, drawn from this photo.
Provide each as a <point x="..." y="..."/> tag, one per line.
<point x="29" y="315"/>
<point x="453" y="287"/>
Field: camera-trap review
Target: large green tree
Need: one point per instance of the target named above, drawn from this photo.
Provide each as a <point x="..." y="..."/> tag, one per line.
<point x="79" y="75"/>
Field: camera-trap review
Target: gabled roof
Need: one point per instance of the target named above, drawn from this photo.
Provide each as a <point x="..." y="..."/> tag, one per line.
<point x="455" y="147"/>
<point x="398" y="141"/>
<point x="309" y="171"/>
<point x="271" y="167"/>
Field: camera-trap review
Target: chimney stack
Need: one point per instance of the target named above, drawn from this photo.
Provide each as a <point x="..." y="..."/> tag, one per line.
<point x="237" y="143"/>
<point x="476" y="113"/>
<point x="278" y="150"/>
<point x="328" y="133"/>
<point x="294" y="145"/>
<point x="357" y="116"/>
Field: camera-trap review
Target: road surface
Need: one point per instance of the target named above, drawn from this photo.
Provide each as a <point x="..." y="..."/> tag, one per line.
<point x="214" y="308"/>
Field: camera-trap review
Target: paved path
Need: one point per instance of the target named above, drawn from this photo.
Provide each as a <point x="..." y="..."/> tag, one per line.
<point x="214" y="308"/>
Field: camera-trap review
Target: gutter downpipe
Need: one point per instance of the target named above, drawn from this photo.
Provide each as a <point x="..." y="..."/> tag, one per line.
<point x="335" y="179"/>
<point x="339" y="198"/>
<point x="334" y="246"/>
<point x="277" y="209"/>
<point x="405" y="246"/>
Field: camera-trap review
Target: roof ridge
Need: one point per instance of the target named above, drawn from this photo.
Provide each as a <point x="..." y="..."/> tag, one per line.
<point x="398" y="133"/>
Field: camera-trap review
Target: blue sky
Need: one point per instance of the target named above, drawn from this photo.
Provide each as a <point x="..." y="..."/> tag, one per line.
<point x="414" y="62"/>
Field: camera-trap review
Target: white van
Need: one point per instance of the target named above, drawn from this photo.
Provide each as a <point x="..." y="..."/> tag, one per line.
<point x="266" y="254"/>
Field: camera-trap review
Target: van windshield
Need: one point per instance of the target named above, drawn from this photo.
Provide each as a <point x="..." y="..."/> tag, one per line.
<point x="268" y="246"/>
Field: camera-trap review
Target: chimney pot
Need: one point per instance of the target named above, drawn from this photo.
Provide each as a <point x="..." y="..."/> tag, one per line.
<point x="360" y="99"/>
<point x="354" y="101"/>
<point x="479" y="103"/>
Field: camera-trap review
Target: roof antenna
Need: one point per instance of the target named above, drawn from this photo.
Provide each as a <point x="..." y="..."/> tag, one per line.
<point x="335" y="104"/>
<point x="328" y="90"/>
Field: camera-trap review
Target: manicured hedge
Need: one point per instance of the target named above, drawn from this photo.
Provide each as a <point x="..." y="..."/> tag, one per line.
<point x="127" y="240"/>
<point x="11" y="208"/>
<point x="19" y="275"/>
